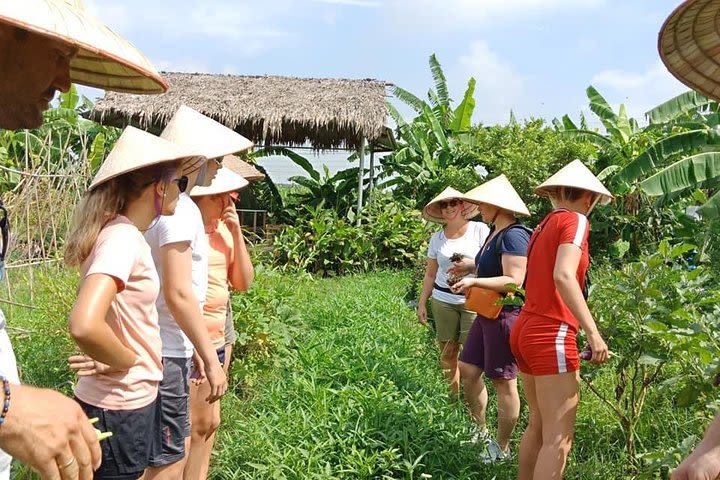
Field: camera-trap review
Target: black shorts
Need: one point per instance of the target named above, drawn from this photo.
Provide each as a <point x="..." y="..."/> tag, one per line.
<point x="125" y="454"/>
<point x="173" y="398"/>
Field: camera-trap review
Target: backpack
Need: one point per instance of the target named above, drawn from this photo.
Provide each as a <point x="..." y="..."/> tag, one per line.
<point x="499" y="238"/>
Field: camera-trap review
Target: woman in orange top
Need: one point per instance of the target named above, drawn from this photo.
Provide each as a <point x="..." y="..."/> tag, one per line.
<point x="229" y="266"/>
<point x="543" y="337"/>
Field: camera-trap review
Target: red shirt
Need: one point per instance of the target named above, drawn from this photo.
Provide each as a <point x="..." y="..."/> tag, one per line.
<point x="542" y="297"/>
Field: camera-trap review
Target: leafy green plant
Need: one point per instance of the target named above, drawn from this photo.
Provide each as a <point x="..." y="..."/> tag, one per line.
<point x="322" y="242"/>
<point x="658" y="315"/>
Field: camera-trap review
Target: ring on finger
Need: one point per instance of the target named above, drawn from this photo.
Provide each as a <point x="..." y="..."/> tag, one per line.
<point x="68" y="463"/>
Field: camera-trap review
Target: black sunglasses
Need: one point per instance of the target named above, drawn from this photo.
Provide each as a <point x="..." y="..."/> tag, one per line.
<point x="182" y="183"/>
<point x="449" y="203"/>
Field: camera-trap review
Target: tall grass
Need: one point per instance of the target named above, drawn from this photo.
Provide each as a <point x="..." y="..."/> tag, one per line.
<point x="334" y="378"/>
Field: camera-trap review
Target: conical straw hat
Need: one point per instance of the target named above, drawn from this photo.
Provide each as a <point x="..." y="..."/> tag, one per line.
<point x="224" y="182"/>
<point x="689" y="45"/>
<point x="500" y="193"/>
<point x="193" y="130"/>
<point x="242" y="168"/>
<point x="576" y="175"/>
<point x="136" y="149"/>
<point x="432" y="212"/>
<point x="104" y="59"/>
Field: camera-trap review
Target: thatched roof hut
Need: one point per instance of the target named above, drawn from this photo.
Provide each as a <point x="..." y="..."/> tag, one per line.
<point x="326" y="113"/>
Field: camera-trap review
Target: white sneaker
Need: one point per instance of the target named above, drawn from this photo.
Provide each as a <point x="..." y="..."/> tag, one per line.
<point x="481" y="436"/>
<point x="493" y="453"/>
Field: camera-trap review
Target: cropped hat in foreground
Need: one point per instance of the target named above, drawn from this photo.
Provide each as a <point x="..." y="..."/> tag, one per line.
<point x="576" y="175"/>
<point x="104" y="59"/>
<point x="500" y="193"/>
<point x="136" y="149"/>
<point x="689" y="45"/>
<point x="433" y="213"/>
<point x="224" y="182"/>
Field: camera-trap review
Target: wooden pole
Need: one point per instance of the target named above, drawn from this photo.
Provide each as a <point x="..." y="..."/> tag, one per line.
<point x="372" y="173"/>
<point x="361" y="155"/>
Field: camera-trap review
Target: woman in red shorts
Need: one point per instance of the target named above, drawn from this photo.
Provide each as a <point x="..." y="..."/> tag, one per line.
<point x="543" y="338"/>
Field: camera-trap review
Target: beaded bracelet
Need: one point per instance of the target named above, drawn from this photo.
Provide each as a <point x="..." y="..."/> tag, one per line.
<point x="6" y="403"/>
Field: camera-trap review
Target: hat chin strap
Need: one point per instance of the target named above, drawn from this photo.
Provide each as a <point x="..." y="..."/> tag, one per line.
<point x="592" y="205"/>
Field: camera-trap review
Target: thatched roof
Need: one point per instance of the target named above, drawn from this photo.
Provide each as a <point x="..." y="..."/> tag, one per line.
<point x="242" y="168"/>
<point x="327" y="113"/>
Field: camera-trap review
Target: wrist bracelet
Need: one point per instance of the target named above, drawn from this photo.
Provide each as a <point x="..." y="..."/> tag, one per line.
<point x="6" y="402"/>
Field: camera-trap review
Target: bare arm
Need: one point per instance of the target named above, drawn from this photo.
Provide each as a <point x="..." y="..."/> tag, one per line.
<point x="176" y="265"/>
<point x="564" y="276"/>
<point x="241" y="273"/>
<point x="704" y="461"/>
<point x="89" y="329"/>
<point x="431" y="269"/>
<point x="513" y="267"/>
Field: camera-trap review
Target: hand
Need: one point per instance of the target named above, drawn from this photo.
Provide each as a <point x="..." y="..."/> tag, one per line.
<point x="461" y="285"/>
<point x="198" y="370"/>
<point x="84" y="366"/>
<point x="600" y="352"/>
<point x="50" y="433"/>
<point x="422" y="313"/>
<point x="701" y="464"/>
<point x="463" y="267"/>
<point x="230" y="217"/>
<point x="218" y="381"/>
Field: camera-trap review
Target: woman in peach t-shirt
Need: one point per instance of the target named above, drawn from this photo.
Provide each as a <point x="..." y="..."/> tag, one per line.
<point x="114" y="320"/>
<point x="229" y="266"/>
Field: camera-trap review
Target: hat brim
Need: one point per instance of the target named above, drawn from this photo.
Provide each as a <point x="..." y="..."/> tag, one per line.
<point x="225" y="181"/>
<point x="547" y="190"/>
<point x="689" y="45"/>
<point x="433" y="213"/>
<point x="104" y="59"/>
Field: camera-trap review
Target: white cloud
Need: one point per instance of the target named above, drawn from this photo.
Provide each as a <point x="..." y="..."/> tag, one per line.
<point x="639" y="91"/>
<point x="455" y="13"/>
<point x="354" y="3"/>
<point x="498" y="87"/>
<point x="251" y="26"/>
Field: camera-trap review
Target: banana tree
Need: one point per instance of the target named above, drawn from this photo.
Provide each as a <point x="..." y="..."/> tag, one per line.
<point x="433" y="140"/>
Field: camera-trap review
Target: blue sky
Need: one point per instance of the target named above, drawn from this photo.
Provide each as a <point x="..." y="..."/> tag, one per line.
<point x="535" y="57"/>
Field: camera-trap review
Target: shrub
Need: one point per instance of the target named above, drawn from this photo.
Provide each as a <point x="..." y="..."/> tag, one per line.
<point x="389" y="235"/>
<point x="658" y="314"/>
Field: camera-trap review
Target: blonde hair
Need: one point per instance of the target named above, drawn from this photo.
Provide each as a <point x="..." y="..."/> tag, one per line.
<point x="569" y="194"/>
<point x="104" y="203"/>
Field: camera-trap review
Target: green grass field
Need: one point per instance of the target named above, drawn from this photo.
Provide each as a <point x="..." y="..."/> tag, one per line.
<point x="335" y="379"/>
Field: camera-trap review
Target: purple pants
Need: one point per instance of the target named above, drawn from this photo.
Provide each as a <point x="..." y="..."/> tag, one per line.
<point x="488" y="345"/>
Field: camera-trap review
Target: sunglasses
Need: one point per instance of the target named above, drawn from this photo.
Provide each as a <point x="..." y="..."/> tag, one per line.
<point x="182" y="183"/>
<point x="448" y="203"/>
<point x="219" y="161"/>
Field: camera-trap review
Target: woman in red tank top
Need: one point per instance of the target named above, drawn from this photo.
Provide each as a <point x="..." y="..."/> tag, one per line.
<point x="543" y="338"/>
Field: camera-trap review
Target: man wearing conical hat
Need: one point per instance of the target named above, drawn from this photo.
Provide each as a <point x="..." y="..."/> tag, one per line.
<point x="44" y="46"/>
<point x="180" y="251"/>
<point x="688" y="44"/>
